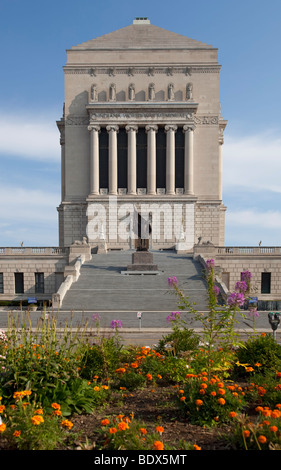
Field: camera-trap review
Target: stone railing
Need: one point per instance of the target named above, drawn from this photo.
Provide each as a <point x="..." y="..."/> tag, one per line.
<point x="248" y="250"/>
<point x="72" y="273"/>
<point x="34" y="251"/>
<point x="212" y="251"/>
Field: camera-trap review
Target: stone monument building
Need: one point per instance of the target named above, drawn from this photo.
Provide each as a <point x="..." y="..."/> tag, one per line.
<point x="141" y="146"/>
<point x="141" y="133"/>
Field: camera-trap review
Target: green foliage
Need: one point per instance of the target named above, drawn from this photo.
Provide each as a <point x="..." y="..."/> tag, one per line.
<point x="180" y="340"/>
<point x="127" y="433"/>
<point x="209" y="402"/>
<point x="262" y="350"/>
<point x="30" y="428"/>
<point x="78" y="396"/>
<point x="100" y="359"/>
<point x="131" y="380"/>
<point x="262" y="434"/>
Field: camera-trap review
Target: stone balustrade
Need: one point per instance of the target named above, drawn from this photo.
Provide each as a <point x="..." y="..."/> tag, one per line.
<point x="237" y="250"/>
<point x="34" y="251"/>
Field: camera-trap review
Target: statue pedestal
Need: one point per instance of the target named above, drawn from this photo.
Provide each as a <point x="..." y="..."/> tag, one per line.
<point x="142" y="261"/>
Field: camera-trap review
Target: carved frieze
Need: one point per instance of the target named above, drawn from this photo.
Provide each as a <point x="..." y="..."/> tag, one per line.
<point x="150" y="71"/>
<point x="206" y="119"/>
<point x="74" y="120"/>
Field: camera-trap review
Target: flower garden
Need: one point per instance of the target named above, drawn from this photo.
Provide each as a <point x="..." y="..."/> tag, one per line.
<point x="71" y="390"/>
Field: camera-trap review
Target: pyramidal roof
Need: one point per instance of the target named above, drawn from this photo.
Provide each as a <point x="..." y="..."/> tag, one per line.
<point x="142" y="35"/>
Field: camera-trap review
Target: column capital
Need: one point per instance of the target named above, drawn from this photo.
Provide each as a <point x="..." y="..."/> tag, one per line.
<point x="170" y="127"/>
<point x="131" y="127"/>
<point x="94" y="127"/>
<point x="112" y="127"/>
<point x="188" y="128"/>
<point x="151" y="127"/>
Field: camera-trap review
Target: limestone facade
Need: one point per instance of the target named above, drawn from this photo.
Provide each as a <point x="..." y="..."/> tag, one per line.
<point x="142" y="123"/>
<point x="264" y="263"/>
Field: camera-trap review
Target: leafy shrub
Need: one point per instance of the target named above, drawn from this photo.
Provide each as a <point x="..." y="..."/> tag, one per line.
<point x="260" y="353"/>
<point x="180" y="340"/>
<point x="262" y="433"/>
<point x="29" y="427"/>
<point x="209" y="401"/>
<point x="78" y="396"/>
<point x="100" y="359"/>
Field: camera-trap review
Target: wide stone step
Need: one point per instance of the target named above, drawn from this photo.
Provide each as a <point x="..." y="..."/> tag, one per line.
<point x="102" y="286"/>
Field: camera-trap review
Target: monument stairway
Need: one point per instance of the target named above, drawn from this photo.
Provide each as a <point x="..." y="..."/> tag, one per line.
<point x="103" y="289"/>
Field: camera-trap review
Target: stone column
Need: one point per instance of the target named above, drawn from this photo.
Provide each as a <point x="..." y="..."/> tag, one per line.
<point x="132" y="158"/>
<point x="170" y="158"/>
<point x="94" y="159"/>
<point x="112" y="159"/>
<point x="151" y="158"/>
<point x="188" y="159"/>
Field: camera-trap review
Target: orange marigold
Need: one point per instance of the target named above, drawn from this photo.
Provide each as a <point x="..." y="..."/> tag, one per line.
<point x="56" y="406"/>
<point x="221" y="401"/>
<point x="262" y="439"/>
<point x="158" y="445"/>
<point x="273" y="428"/>
<point x="232" y="414"/>
<point x="122" y="426"/>
<point x="36" y="420"/>
<point x="112" y="430"/>
<point x="159" y="429"/>
<point x="2" y="427"/>
<point x="198" y="402"/>
<point x="105" y="422"/>
<point x="196" y="447"/>
<point x="68" y="424"/>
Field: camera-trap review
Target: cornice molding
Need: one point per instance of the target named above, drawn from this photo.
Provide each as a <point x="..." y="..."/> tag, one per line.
<point x="150" y="71"/>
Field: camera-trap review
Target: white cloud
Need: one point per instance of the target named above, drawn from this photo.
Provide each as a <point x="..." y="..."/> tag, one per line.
<point x="254" y="218"/>
<point x="29" y="138"/>
<point x="252" y="162"/>
<point x="26" y="205"/>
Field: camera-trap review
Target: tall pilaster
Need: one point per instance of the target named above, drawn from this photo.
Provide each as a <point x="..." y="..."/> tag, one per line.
<point x="94" y="159"/>
<point x="220" y="166"/>
<point x="132" y="158"/>
<point x="170" y="158"/>
<point x="112" y="159"/>
<point x="151" y="158"/>
<point x="188" y="159"/>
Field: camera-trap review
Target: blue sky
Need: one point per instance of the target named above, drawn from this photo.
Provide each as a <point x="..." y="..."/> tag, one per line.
<point x="34" y="36"/>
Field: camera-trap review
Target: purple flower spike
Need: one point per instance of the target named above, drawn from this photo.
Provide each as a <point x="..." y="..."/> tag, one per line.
<point x="116" y="324"/>
<point x="95" y="317"/>
<point x="173" y="317"/>
<point x="241" y="286"/>
<point x="246" y="276"/>
<point x="216" y="290"/>
<point x="210" y="263"/>
<point x="236" y="299"/>
<point x="172" y="280"/>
